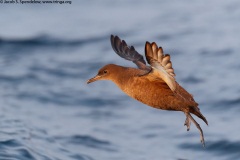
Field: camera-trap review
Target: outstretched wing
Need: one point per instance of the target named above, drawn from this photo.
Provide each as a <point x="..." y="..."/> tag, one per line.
<point x="128" y="53"/>
<point x="156" y="58"/>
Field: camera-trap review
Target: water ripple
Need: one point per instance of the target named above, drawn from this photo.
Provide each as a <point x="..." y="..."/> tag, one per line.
<point x="46" y="40"/>
<point x="81" y="157"/>
<point x="220" y="147"/>
<point x="88" y="141"/>
<point x="20" y="78"/>
<point x="13" y="149"/>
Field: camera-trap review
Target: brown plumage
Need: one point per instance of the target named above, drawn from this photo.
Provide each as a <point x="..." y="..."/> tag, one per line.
<point x="153" y="85"/>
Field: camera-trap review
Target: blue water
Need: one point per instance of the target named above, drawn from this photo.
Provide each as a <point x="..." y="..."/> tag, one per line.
<point x="47" y="52"/>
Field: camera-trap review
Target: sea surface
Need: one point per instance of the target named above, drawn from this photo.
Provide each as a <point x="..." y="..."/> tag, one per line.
<point x="48" y="51"/>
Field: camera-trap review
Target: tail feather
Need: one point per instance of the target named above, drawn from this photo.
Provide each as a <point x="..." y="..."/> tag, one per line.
<point x="197" y="112"/>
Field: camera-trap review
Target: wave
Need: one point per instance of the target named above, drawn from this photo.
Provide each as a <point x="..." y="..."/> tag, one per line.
<point x="15" y="150"/>
<point x="87" y="141"/>
<point x="19" y="78"/>
<point x="48" y="41"/>
<point x="227" y="103"/>
<point x="69" y="99"/>
<point x="220" y="147"/>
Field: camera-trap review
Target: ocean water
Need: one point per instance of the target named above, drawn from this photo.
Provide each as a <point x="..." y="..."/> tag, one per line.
<point x="48" y="51"/>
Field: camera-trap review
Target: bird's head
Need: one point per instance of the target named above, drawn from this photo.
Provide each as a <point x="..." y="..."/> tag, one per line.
<point x="105" y="73"/>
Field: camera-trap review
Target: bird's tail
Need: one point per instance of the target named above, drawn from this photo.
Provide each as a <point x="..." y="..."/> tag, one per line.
<point x="196" y="111"/>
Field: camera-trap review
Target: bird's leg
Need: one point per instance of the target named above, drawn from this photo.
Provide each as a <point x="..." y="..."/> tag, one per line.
<point x="187" y="122"/>
<point x="190" y="118"/>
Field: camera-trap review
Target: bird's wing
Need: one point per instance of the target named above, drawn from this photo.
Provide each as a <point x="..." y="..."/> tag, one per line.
<point x="128" y="52"/>
<point x="161" y="63"/>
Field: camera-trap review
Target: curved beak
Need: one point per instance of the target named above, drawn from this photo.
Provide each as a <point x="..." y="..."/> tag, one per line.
<point x="97" y="77"/>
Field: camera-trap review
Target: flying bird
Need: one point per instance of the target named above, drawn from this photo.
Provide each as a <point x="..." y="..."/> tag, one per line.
<point x="153" y="85"/>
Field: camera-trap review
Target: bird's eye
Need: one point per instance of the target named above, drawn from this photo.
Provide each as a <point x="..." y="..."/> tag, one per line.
<point x="105" y="71"/>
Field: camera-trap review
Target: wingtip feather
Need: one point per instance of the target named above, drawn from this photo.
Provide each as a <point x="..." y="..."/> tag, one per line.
<point x="127" y="52"/>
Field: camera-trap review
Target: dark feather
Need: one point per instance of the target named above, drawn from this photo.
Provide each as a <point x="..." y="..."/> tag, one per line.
<point x="128" y="52"/>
